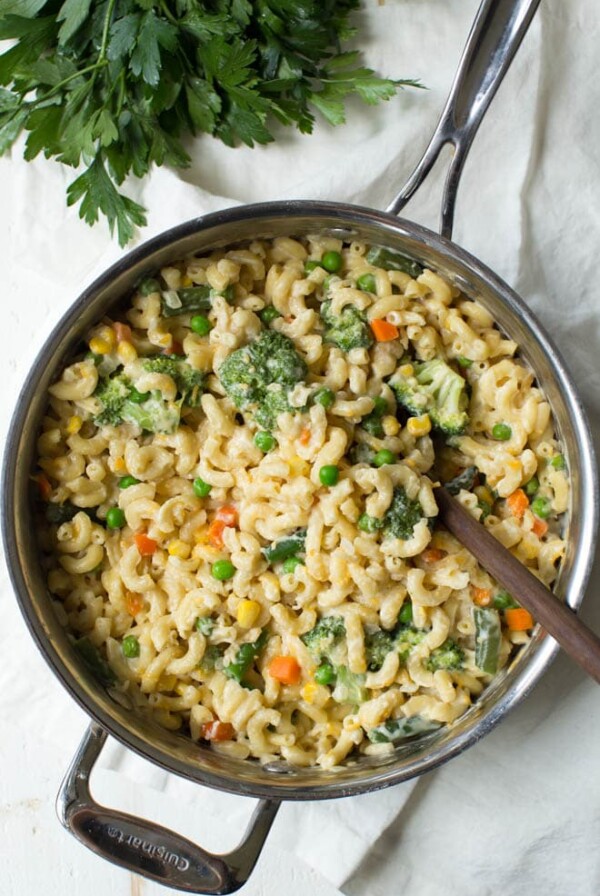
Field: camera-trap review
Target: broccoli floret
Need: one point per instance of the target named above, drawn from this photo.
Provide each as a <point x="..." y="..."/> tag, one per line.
<point x="259" y="376"/>
<point x="405" y="639"/>
<point x="348" y="329"/>
<point x="447" y="656"/>
<point x="327" y="634"/>
<point x="153" y="415"/>
<point x="349" y="686"/>
<point x="434" y="389"/>
<point x="402" y="516"/>
<point x="377" y="646"/>
<point x="121" y="403"/>
<point x="112" y="393"/>
<point x="189" y="382"/>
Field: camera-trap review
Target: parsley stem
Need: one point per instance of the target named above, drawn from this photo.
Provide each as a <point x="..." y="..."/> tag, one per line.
<point x="105" y="29"/>
<point x="31" y="104"/>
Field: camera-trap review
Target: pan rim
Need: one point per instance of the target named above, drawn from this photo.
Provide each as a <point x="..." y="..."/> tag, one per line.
<point x="524" y="678"/>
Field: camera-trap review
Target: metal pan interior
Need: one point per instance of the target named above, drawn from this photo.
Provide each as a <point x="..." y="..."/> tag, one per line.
<point x="175" y="752"/>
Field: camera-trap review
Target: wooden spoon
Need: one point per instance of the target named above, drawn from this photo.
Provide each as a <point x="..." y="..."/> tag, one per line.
<point x="557" y="618"/>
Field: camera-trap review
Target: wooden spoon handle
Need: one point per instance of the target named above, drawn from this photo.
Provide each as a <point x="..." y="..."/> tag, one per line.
<point x="557" y="618"/>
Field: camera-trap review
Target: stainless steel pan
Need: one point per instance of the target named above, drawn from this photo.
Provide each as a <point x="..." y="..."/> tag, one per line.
<point x="138" y="844"/>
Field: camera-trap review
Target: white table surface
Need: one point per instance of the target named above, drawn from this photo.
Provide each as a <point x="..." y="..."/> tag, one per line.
<point x="519" y="812"/>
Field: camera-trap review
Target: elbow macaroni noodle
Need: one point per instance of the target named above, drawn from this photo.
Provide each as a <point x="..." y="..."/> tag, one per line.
<point x="107" y="589"/>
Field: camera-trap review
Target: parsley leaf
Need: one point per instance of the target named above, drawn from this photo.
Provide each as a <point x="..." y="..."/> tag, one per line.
<point x="118" y="85"/>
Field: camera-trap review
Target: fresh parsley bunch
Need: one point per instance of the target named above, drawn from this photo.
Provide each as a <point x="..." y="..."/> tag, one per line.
<point x="116" y="85"/>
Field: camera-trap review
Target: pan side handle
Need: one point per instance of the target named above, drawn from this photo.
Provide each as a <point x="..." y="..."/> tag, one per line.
<point x="149" y="849"/>
<point x="495" y="37"/>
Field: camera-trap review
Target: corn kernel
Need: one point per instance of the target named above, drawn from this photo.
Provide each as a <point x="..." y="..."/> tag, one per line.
<point x="178" y="548"/>
<point x="74" y="424"/>
<point x="119" y="465"/>
<point x="406" y="369"/>
<point x="391" y="426"/>
<point x="126" y="352"/>
<point x="484" y="494"/>
<point x="201" y="535"/>
<point x="164" y="340"/>
<point x="248" y="612"/>
<point x="187" y="281"/>
<point x="100" y="346"/>
<point x="298" y="466"/>
<point x="309" y="691"/>
<point x="166" y="682"/>
<point x="419" y="426"/>
<point x="109" y="335"/>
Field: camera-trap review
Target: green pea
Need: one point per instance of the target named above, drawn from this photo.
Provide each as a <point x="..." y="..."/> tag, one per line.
<point x="541" y="507"/>
<point x="464" y="362"/>
<point x="223" y="570"/>
<point x="368" y="523"/>
<point x="384" y="457"/>
<point x="329" y="474"/>
<point x="201" y="488"/>
<point x="138" y="397"/>
<point x="367" y="283"/>
<point x="269" y="314"/>
<point x="504" y="601"/>
<point x="324" y="397"/>
<point x="127" y="481"/>
<point x="532" y="486"/>
<point x="558" y="462"/>
<point x="405" y="615"/>
<point x="502" y="432"/>
<point x="265" y="441"/>
<point x="311" y="265"/>
<point x="115" y="518"/>
<point x="332" y="262"/>
<point x="201" y="325"/>
<point x="325" y="674"/>
<point x="291" y="563"/>
<point x="147" y="287"/>
<point x="130" y="647"/>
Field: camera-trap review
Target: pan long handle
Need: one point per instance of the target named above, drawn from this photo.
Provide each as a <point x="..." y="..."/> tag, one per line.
<point x="146" y="848"/>
<point x="495" y="37"/>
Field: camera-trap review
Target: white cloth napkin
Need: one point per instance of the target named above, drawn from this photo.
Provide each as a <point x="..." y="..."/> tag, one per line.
<point x="527" y="209"/>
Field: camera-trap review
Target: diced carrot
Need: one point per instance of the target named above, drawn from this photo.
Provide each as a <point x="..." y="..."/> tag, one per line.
<point x="304" y="437"/>
<point x="217" y="730"/>
<point x="432" y="555"/>
<point x="44" y="487"/>
<point x="482" y="597"/>
<point x="228" y="513"/>
<point x="540" y="527"/>
<point x="518" y="503"/>
<point x="215" y="533"/>
<point x="122" y="332"/>
<point x="146" y="546"/>
<point x="175" y="348"/>
<point x="133" y="603"/>
<point x="285" y="669"/>
<point x="383" y="330"/>
<point x="518" y="619"/>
